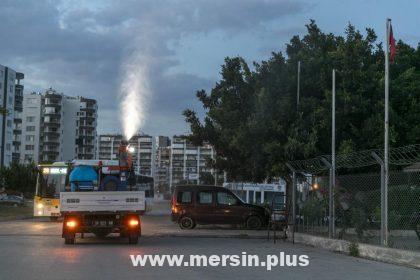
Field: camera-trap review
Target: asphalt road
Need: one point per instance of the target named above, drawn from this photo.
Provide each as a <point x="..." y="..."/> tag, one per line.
<point x="35" y="250"/>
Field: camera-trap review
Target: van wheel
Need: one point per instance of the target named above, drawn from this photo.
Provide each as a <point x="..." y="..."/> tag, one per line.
<point x="253" y="222"/>
<point x="186" y="223"/>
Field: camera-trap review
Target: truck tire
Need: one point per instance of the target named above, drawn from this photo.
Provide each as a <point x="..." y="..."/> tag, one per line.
<point x="133" y="239"/>
<point x="69" y="239"/>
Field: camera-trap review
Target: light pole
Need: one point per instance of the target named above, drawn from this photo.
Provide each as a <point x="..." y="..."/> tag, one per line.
<point x="386" y="140"/>
<point x="333" y="149"/>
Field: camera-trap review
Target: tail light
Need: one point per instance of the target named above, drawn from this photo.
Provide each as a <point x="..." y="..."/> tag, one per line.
<point x="133" y="222"/>
<point x="71" y="224"/>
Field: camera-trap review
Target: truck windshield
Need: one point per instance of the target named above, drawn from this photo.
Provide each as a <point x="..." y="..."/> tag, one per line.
<point x="51" y="181"/>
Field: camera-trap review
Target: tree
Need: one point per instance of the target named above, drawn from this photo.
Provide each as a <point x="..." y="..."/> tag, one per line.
<point x="255" y="125"/>
<point x="19" y="178"/>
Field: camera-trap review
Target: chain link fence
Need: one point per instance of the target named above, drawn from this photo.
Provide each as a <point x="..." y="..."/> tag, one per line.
<point x="360" y="209"/>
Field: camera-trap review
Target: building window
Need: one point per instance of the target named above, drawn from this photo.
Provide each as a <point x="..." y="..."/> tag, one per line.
<point x="29" y="147"/>
<point x="30" y="119"/>
<point x="11" y="89"/>
<point x="7" y="146"/>
<point x="30" y="128"/>
<point x="30" y="138"/>
<point x="31" y="101"/>
<point x="28" y="157"/>
<point x="9" y="123"/>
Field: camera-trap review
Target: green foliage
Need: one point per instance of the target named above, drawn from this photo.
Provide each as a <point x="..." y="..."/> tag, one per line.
<point x="354" y="250"/>
<point x="206" y="178"/>
<point x="255" y="125"/>
<point x="313" y="209"/>
<point x="19" y="178"/>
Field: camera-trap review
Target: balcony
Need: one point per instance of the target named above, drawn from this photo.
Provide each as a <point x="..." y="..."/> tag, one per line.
<point x="47" y="150"/>
<point x="51" y="140"/>
<point x="54" y="113"/>
<point x="52" y="134"/>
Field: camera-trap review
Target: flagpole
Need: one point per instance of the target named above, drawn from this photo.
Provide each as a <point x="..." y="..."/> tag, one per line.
<point x="333" y="154"/>
<point x="384" y="221"/>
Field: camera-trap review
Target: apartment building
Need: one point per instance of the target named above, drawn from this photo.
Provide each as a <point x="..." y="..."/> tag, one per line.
<point x="143" y="154"/>
<point x="31" y="144"/>
<point x="7" y="101"/>
<point x="162" y="164"/>
<point x="17" y="118"/>
<point x="56" y="127"/>
<point x="189" y="163"/>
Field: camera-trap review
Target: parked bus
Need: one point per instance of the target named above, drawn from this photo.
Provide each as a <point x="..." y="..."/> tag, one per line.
<point x="51" y="180"/>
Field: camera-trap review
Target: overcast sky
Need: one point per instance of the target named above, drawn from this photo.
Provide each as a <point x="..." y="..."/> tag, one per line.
<point x="80" y="47"/>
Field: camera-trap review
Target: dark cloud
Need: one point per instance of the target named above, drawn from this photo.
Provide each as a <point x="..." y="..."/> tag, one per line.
<point x="78" y="47"/>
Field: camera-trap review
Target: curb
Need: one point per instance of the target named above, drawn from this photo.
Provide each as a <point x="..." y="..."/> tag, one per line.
<point x="7" y="219"/>
<point x="377" y="253"/>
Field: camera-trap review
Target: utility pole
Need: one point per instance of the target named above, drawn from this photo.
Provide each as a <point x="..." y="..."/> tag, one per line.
<point x="298" y="87"/>
<point x="333" y="148"/>
<point x="386" y="132"/>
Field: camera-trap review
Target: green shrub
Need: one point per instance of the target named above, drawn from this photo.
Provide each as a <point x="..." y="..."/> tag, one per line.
<point x="354" y="249"/>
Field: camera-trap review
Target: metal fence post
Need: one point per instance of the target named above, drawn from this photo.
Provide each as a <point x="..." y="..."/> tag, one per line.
<point x="331" y="210"/>
<point x="384" y="208"/>
<point x="293" y="200"/>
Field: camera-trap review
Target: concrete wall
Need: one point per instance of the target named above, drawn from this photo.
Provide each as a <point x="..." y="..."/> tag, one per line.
<point x="69" y="117"/>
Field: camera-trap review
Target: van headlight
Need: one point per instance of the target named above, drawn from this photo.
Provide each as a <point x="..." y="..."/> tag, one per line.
<point x="40" y="205"/>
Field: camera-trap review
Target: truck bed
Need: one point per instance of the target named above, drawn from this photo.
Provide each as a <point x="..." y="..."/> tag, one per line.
<point x="120" y="201"/>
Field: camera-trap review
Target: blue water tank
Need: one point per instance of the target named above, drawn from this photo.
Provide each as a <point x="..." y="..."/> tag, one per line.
<point x="82" y="178"/>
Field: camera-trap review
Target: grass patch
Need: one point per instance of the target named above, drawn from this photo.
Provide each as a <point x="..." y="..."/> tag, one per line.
<point x="7" y="211"/>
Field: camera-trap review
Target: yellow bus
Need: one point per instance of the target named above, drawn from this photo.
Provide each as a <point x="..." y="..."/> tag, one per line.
<point x="51" y="180"/>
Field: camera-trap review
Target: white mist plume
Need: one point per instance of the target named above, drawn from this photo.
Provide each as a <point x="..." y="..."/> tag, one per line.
<point x="134" y="94"/>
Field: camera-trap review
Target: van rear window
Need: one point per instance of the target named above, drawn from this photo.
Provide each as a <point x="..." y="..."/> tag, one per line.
<point x="184" y="197"/>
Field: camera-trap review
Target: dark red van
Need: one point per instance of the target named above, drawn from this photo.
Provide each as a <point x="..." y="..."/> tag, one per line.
<point x="192" y="205"/>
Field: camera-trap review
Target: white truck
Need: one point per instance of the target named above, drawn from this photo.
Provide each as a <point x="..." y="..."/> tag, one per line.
<point x="102" y="197"/>
<point x="102" y="213"/>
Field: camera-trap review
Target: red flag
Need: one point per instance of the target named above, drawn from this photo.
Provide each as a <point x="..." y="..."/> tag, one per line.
<point x="392" y="46"/>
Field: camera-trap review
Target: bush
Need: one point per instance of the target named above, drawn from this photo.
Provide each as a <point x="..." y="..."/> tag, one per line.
<point x="354" y="249"/>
